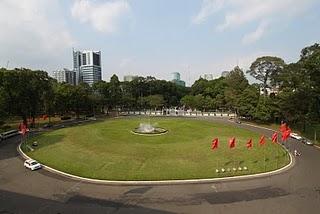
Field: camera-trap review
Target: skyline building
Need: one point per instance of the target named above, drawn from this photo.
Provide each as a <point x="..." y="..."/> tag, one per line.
<point x="87" y="66"/>
<point x="65" y="75"/>
<point x="176" y="79"/>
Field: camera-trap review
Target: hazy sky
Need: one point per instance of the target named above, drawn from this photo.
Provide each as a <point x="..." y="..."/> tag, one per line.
<point x="155" y="37"/>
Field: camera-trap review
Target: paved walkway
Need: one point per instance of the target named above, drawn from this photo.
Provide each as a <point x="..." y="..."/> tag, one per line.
<point x="295" y="191"/>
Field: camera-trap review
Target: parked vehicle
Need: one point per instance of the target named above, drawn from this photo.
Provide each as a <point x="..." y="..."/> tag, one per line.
<point x="32" y="164"/>
<point x="295" y="136"/>
<point x="306" y="141"/>
<point x="8" y="134"/>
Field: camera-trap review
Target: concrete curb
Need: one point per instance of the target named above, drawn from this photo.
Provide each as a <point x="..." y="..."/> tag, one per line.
<point x="163" y="182"/>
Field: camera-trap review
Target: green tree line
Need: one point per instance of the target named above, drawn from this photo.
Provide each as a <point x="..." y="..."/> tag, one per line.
<point x="294" y="95"/>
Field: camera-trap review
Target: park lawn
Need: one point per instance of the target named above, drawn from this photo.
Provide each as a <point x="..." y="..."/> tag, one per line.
<point x="108" y="150"/>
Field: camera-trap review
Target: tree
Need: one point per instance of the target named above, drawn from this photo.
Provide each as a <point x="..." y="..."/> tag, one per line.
<point x="188" y="101"/>
<point x="265" y="69"/>
<point x="199" y="86"/>
<point x="101" y="90"/>
<point x="248" y="101"/>
<point x="263" y="111"/>
<point x="155" y="101"/>
<point x="236" y="83"/>
<point x="114" y="91"/>
<point x="26" y="90"/>
<point x="310" y="62"/>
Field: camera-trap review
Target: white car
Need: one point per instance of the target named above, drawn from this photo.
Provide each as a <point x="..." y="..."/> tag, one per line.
<point x="295" y="136"/>
<point x="32" y="164"/>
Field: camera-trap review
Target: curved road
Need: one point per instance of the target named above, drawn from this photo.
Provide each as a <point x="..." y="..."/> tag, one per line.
<point x="294" y="191"/>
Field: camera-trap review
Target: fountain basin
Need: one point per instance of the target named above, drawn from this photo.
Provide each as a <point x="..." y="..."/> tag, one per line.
<point x="148" y="129"/>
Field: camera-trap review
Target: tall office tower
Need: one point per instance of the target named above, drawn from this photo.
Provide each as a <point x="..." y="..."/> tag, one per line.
<point x="65" y="75"/>
<point x="87" y="66"/>
<point x="177" y="80"/>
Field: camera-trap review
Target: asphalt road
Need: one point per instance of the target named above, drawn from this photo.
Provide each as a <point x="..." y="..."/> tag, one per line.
<point x="294" y="191"/>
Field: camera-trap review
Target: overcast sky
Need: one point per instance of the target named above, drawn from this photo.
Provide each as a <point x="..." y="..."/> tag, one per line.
<point x="155" y="37"/>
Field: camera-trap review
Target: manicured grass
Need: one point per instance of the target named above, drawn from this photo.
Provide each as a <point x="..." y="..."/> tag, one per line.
<point x="108" y="150"/>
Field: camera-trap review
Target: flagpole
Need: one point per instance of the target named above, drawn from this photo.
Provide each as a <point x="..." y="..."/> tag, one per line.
<point x="277" y="151"/>
<point x="264" y="157"/>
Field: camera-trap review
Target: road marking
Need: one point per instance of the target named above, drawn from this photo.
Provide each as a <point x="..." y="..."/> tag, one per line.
<point x="214" y="188"/>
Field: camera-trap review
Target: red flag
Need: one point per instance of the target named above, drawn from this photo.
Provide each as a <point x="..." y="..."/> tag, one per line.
<point x="283" y="127"/>
<point x="232" y="143"/>
<point x="23" y="129"/>
<point x="275" y="137"/>
<point x="249" y="144"/>
<point x="286" y="134"/>
<point x="215" y="143"/>
<point x="262" y="140"/>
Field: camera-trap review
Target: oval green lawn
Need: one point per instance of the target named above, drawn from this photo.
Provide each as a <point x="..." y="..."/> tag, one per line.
<point x="108" y="150"/>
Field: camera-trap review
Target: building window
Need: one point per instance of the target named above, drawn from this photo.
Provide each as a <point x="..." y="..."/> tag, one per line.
<point x="84" y="59"/>
<point x="96" y="59"/>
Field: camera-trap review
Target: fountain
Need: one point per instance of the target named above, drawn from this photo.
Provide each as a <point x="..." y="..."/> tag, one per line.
<point x="145" y="128"/>
<point x="148" y="129"/>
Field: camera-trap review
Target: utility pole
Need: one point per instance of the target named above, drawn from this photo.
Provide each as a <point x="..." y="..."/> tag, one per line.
<point x="7" y="64"/>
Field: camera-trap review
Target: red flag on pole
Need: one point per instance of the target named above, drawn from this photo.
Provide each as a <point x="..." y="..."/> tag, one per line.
<point x="232" y="143"/>
<point x="249" y="144"/>
<point x="23" y="129"/>
<point x="283" y="127"/>
<point x="215" y="143"/>
<point x="262" y="140"/>
<point x="275" y="137"/>
<point x="286" y="134"/>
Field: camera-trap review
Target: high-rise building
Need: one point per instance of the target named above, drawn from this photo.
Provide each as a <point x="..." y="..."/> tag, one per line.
<point x="65" y="75"/>
<point x="87" y="66"/>
<point x="177" y="80"/>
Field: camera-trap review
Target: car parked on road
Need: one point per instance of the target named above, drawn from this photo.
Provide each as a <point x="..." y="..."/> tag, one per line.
<point x="295" y="136"/>
<point x="8" y="134"/>
<point x="32" y="164"/>
<point x="306" y="141"/>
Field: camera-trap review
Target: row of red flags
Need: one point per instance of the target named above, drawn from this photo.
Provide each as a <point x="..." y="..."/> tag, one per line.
<point x="23" y="128"/>
<point x="285" y="133"/>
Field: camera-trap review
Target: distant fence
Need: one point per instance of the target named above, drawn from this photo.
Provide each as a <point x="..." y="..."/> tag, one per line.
<point x="179" y="113"/>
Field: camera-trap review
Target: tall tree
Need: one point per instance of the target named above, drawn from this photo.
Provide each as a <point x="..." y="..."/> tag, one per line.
<point x="114" y="91"/>
<point x="155" y="101"/>
<point x="265" y="69"/>
<point x="236" y="83"/>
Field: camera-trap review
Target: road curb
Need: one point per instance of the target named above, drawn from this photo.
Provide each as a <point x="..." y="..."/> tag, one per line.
<point x="164" y="182"/>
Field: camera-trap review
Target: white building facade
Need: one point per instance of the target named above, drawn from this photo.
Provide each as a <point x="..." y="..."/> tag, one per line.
<point x="65" y="75"/>
<point x="87" y="66"/>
